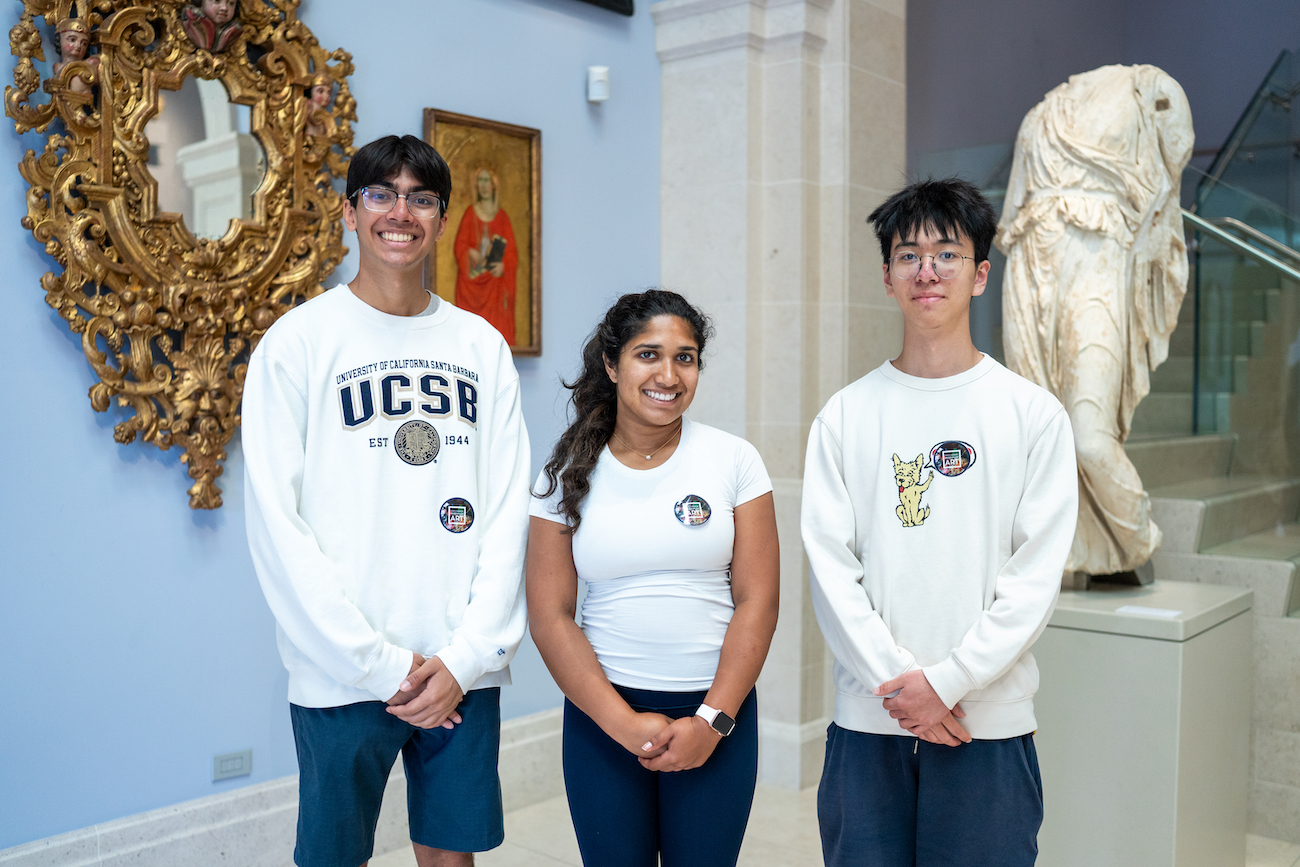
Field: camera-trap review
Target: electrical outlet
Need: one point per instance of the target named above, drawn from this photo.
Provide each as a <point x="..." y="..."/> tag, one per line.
<point x="229" y="765"/>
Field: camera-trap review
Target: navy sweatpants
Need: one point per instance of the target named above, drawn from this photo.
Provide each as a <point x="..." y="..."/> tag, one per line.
<point x="891" y="801"/>
<point x="627" y="816"/>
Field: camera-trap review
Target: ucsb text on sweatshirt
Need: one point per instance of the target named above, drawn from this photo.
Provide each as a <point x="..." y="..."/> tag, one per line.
<point x="386" y="478"/>
<point x="937" y="517"/>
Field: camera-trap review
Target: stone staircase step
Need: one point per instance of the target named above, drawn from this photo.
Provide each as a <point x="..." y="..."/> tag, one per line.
<point x="1241" y="373"/>
<point x="1169" y="460"/>
<point x="1273" y="581"/>
<point x="1164" y="413"/>
<point x="1280" y="546"/>
<point x="1272" y="303"/>
<point x="1200" y="514"/>
<point x="1179" y="521"/>
<point x="1280" y="543"/>
<point x="1174" y="375"/>
<point x="1215" y="410"/>
<point x="1248" y="337"/>
<point x="1224" y="372"/>
<point x="1250" y="304"/>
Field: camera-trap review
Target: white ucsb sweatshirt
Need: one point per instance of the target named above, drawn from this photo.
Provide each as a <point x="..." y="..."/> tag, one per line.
<point x="386" y="478"/>
<point x="937" y="517"/>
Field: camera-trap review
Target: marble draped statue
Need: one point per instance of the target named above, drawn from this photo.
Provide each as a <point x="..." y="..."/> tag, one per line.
<point x="1096" y="271"/>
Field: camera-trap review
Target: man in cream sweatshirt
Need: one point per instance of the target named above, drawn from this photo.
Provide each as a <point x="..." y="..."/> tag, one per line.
<point x="939" y="504"/>
<point x="387" y="485"/>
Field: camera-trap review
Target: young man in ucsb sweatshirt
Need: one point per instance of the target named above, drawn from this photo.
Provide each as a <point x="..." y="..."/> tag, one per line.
<point x="386" y="477"/>
<point x="939" y="504"/>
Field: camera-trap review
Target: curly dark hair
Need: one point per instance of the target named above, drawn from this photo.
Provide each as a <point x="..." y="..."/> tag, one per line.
<point x="595" y="397"/>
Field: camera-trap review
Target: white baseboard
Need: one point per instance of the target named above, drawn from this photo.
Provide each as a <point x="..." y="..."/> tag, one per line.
<point x="790" y="755"/>
<point x="255" y="826"/>
<point x="530" y="759"/>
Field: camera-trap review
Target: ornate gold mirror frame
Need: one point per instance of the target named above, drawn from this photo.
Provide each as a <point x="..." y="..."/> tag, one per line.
<point x="167" y="319"/>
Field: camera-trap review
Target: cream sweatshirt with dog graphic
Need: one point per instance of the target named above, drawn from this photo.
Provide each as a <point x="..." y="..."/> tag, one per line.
<point x="937" y="517"/>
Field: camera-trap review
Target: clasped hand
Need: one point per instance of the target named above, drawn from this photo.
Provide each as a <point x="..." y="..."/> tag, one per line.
<point x="919" y="710"/>
<point x="663" y="744"/>
<point x="429" y="695"/>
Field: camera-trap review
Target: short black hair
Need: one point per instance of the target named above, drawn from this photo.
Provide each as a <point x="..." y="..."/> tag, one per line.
<point x="943" y="206"/>
<point x="384" y="158"/>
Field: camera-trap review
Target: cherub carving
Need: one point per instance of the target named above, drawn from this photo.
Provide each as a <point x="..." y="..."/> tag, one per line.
<point x="211" y="24"/>
<point x="319" y="95"/>
<point x="907" y="474"/>
<point x="72" y="42"/>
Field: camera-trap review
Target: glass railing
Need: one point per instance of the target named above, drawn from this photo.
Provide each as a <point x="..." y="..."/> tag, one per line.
<point x="1244" y="281"/>
<point x="1258" y="162"/>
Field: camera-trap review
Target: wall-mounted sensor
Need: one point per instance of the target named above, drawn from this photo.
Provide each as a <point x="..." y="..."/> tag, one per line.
<point x="597" y="83"/>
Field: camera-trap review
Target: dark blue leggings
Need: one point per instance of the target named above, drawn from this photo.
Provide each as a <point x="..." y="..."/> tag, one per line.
<point x="627" y="816"/>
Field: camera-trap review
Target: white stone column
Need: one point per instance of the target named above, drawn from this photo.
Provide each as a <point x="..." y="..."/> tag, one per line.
<point x="783" y="126"/>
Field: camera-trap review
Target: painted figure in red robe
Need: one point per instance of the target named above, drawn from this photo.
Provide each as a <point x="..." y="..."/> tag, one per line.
<point x="487" y="258"/>
<point x="211" y="24"/>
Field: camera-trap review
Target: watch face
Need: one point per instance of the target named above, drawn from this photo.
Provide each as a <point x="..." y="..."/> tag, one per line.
<point x="723" y="724"/>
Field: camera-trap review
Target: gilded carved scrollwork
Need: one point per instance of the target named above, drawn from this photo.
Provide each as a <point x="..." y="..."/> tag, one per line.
<point x="168" y="319"/>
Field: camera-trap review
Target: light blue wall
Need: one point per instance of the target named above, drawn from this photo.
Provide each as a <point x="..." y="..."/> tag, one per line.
<point x="134" y="640"/>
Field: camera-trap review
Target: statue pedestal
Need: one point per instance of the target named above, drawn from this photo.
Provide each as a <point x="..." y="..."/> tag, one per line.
<point x="1144" y="726"/>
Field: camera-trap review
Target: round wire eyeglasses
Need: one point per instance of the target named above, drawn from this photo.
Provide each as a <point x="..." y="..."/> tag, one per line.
<point x="946" y="264"/>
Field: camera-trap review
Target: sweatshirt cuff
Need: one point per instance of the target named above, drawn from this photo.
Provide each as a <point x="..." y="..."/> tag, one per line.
<point x="390" y="668"/>
<point x="949" y="680"/>
<point x="462" y="662"/>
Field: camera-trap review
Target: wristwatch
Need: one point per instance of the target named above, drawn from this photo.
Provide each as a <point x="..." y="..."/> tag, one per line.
<point x="717" y="720"/>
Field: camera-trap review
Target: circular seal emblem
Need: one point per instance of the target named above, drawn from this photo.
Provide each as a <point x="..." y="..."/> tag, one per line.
<point x="416" y="442"/>
<point x="952" y="458"/>
<point x="692" y="510"/>
<point x="457" y="514"/>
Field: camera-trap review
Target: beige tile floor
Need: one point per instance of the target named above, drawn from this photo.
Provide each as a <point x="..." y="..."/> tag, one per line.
<point x="782" y="831"/>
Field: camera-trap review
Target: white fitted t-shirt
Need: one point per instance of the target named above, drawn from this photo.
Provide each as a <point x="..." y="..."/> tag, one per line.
<point x="654" y="548"/>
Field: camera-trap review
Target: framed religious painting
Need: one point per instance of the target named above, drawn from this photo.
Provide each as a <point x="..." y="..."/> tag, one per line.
<point x="489" y="261"/>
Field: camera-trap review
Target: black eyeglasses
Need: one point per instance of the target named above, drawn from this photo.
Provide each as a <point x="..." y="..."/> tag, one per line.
<point x="381" y="200"/>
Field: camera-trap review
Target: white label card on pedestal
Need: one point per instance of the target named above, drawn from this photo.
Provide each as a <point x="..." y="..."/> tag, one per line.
<point x="1167" y="613"/>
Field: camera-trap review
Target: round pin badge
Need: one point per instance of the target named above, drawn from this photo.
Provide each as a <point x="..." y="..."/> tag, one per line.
<point x="416" y="442"/>
<point x="692" y="510"/>
<point x="952" y="458"/>
<point x="457" y="515"/>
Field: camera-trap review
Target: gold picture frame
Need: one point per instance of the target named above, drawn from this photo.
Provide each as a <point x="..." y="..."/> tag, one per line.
<point x="168" y="318"/>
<point x="489" y="260"/>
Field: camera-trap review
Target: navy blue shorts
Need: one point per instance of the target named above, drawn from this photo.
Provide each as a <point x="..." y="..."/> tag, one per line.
<point x="891" y="801"/>
<point x="627" y="816"/>
<point x="453" y="794"/>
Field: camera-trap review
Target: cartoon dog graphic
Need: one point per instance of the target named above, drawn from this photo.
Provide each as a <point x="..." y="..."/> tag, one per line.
<point x="907" y="474"/>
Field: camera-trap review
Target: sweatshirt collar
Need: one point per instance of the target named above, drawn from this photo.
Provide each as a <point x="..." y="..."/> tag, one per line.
<point x="364" y="312"/>
<point x="943" y="383"/>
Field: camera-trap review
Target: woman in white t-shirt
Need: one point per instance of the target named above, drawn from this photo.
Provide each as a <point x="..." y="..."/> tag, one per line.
<point x="671" y="526"/>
